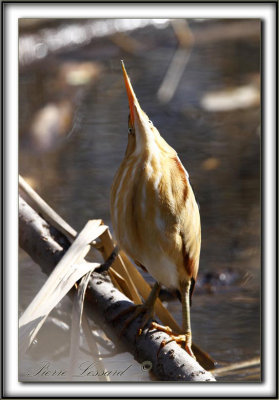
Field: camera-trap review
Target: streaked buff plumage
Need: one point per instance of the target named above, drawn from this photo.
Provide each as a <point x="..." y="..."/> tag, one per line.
<point x="159" y="190"/>
<point x="154" y="212"/>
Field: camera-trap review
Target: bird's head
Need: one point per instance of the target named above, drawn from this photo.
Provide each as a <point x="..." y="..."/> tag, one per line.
<point x="142" y="133"/>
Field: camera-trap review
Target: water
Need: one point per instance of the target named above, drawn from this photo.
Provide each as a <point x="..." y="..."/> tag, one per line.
<point x="76" y="96"/>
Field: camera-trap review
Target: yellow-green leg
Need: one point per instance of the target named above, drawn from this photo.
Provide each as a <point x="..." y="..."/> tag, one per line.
<point x="186" y="320"/>
<point x="184" y="339"/>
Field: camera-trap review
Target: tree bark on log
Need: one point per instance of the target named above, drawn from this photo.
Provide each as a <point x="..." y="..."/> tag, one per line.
<point x="44" y="243"/>
<point x="103" y="302"/>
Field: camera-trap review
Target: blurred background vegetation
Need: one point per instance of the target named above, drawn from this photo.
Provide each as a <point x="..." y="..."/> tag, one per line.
<point x="199" y="82"/>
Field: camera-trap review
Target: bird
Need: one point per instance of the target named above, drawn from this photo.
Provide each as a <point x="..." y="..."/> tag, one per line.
<point x="155" y="216"/>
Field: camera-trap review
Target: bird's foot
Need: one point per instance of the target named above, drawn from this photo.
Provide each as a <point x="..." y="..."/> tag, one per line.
<point x="147" y="315"/>
<point x="183" y="340"/>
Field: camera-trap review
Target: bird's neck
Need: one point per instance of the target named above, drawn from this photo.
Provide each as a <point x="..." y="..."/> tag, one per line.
<point x="151" y="142"/>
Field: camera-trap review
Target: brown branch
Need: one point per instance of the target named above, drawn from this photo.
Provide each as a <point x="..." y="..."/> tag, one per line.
<point x="103" y="302"/>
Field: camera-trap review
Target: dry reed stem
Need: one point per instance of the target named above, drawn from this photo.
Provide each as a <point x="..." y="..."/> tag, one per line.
<point x="39" y="205"/>
<point x="145" y="289"/>
<point x="120" y="267"/>
<point x="61" y="280"/>
<point x="223" y="371"/>
<point x="123" y="273"/>
<point x="105" y="302"/>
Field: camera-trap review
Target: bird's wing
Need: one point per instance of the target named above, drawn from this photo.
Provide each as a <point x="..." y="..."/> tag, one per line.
<point x="188" y="218"/>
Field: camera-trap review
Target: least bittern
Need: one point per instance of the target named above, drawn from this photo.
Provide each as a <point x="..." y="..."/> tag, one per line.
<point x="154" y="213"/>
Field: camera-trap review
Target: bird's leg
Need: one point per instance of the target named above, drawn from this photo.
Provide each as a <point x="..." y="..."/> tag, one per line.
<point x="186" y="321"/>
<point x="147" y="309"/>
<point x="185" y="339"/>
<point x="149" y="305"/>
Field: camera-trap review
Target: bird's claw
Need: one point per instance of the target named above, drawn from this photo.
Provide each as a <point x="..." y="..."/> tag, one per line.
<point x="184" y="341"/>
<point x="161" y="328"/>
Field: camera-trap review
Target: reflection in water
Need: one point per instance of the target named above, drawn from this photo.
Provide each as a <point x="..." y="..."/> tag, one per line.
<point x="237" y="98"/>
<point x="78" y="33"/>
<point x="218" y="144"/>
<point x="50" y="123"/>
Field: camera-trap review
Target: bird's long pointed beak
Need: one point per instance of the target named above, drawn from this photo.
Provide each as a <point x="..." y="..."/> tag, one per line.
<point x="130" y="92"/>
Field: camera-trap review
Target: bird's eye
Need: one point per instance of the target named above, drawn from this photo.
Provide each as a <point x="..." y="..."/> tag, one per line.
<point x="150" y="122"/>
<point x="130" y="127"/>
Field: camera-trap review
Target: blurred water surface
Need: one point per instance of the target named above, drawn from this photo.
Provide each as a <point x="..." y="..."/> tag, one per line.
<point x="73" y="133"/>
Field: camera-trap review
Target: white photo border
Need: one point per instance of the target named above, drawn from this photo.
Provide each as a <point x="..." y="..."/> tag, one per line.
<point x="267" y="12"/>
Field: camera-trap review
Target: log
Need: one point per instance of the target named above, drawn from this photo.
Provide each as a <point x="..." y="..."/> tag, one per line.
<point x="171" y="363"/>
<point x="44" y="243"/>
<point x="124" y="274"/>
<point x="103" y="302"/>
